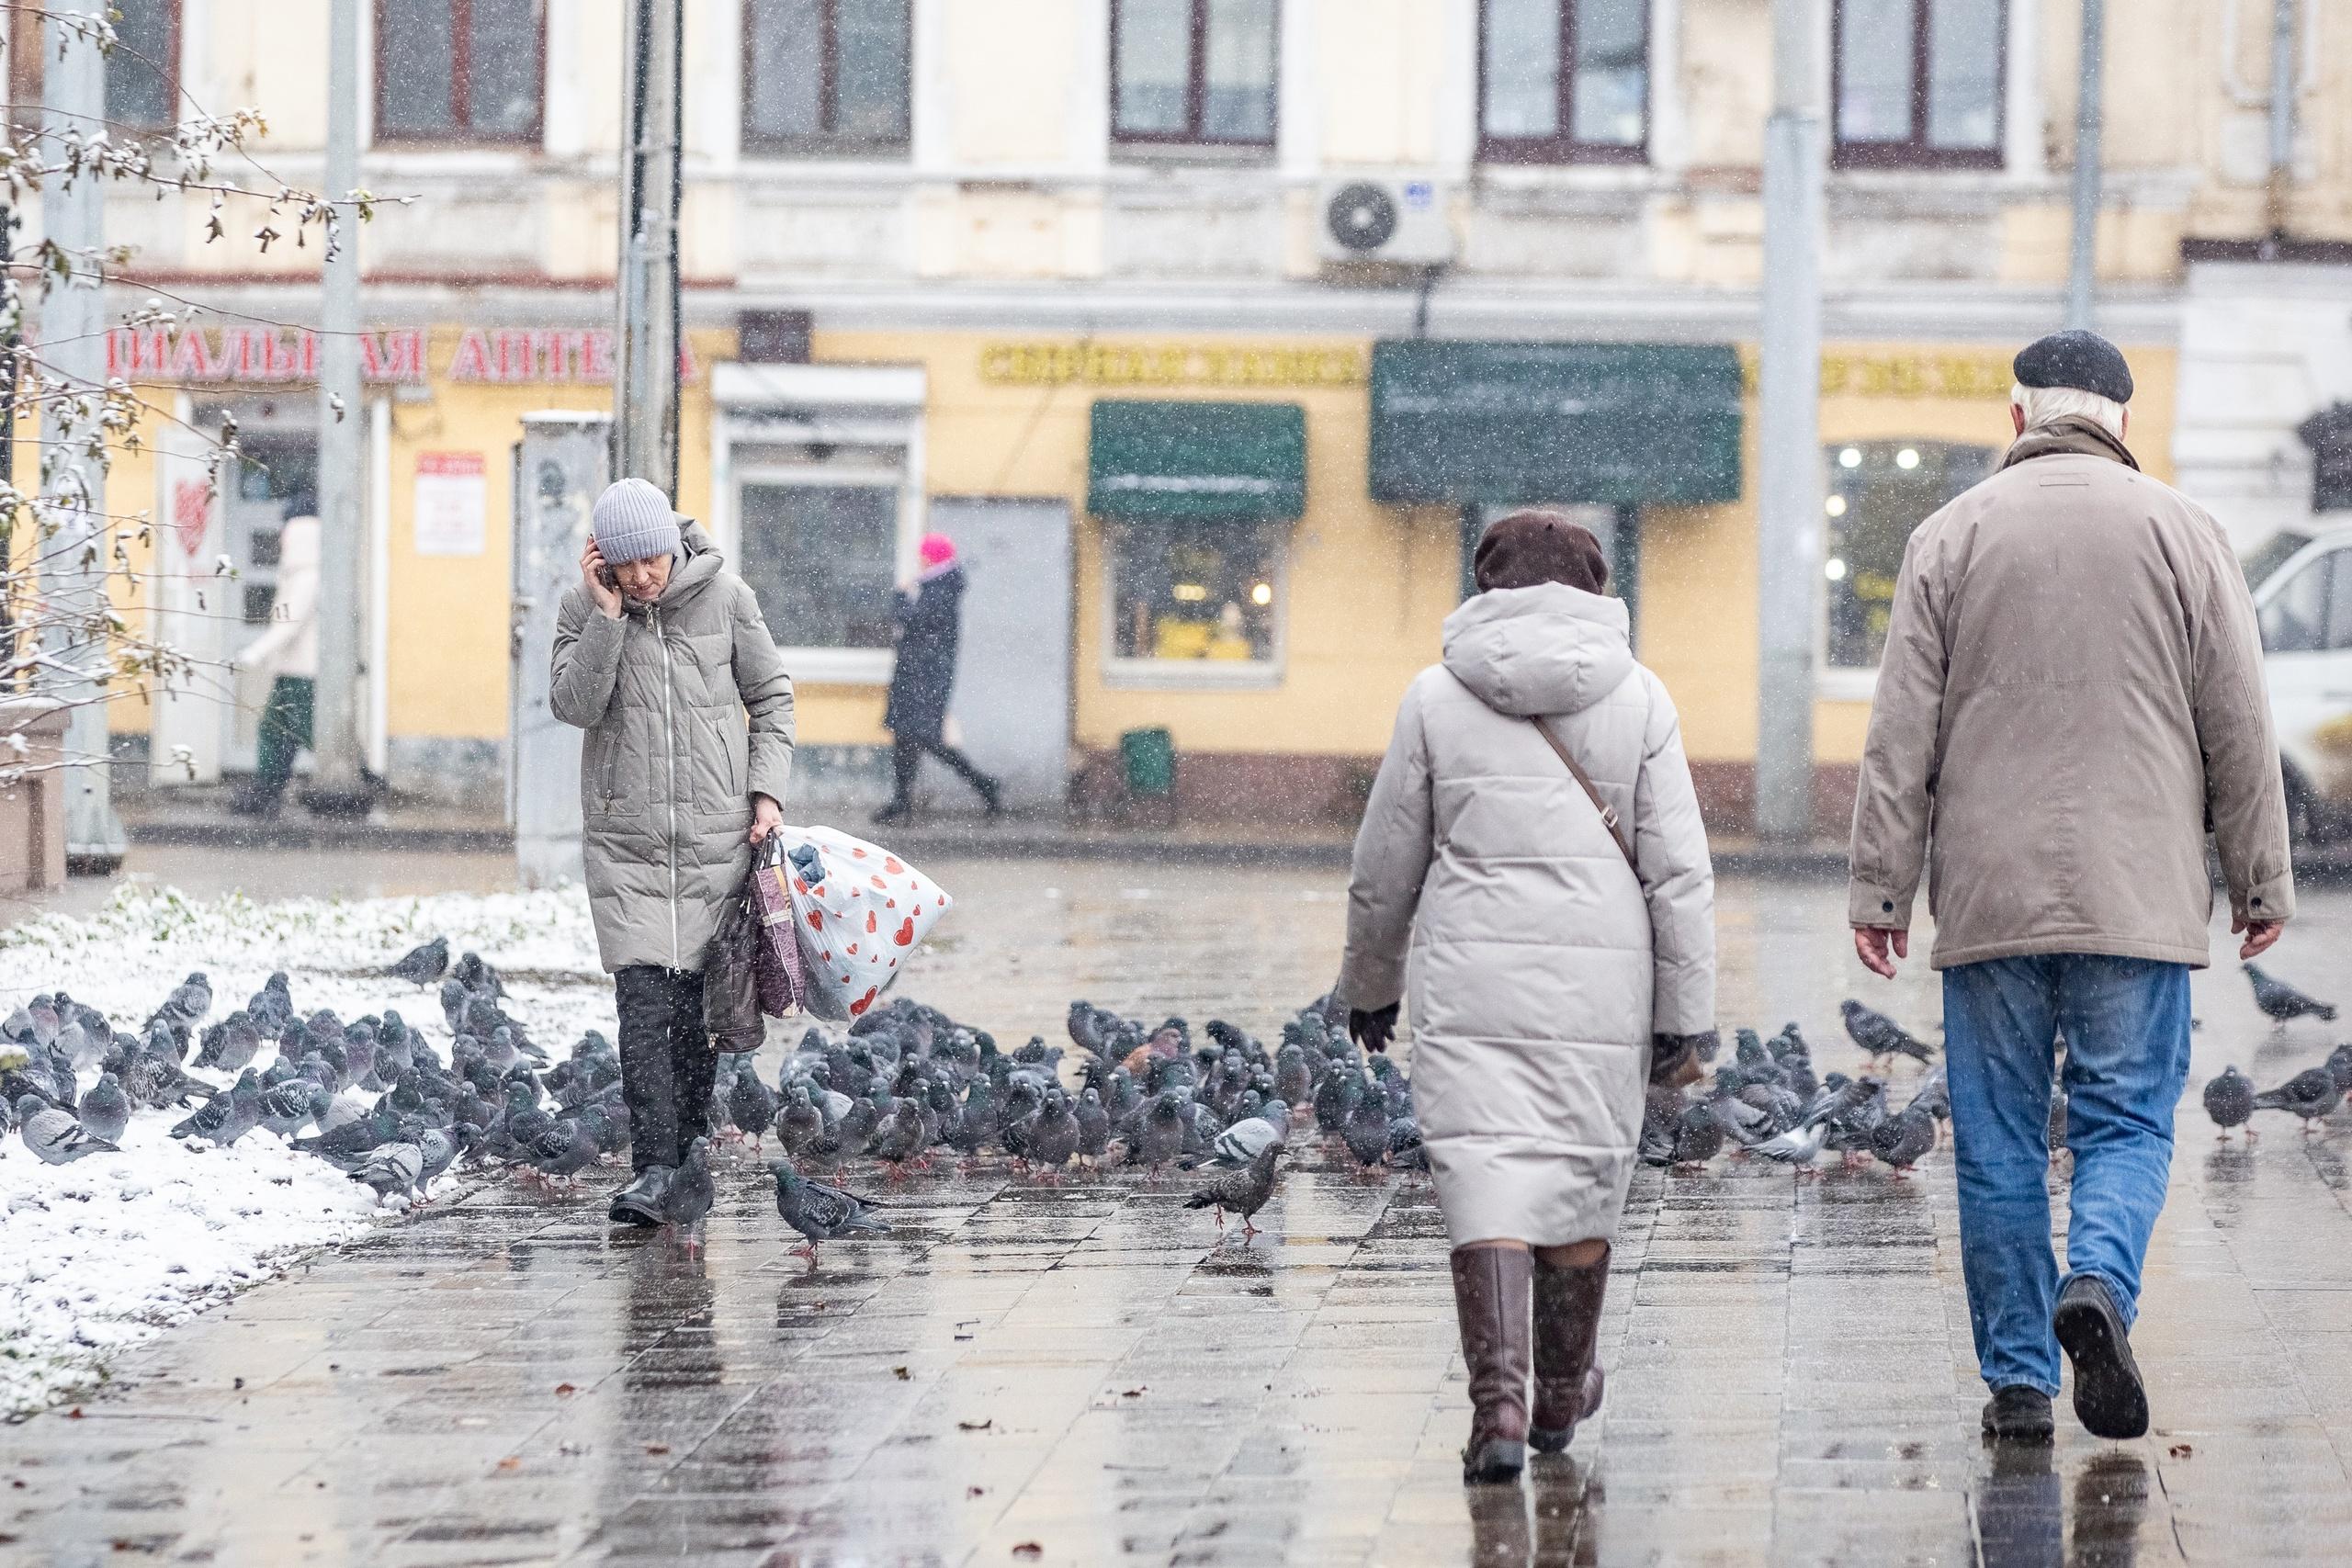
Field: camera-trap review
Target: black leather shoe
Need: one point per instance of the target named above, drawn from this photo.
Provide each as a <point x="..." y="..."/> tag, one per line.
<point x="2109" y="1399"/>
<point x="640" y="1203"/>
<point x="2018" y="1414"/>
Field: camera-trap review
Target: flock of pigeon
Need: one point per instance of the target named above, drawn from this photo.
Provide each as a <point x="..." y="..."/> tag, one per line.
<point x="908" y="1086"/>
<point x="2231" y="1099"/>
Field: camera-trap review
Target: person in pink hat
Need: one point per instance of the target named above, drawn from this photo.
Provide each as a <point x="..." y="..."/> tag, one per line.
<point x="930" y="620"/>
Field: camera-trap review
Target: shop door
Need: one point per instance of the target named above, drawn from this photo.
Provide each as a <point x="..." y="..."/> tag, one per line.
<point x="1012" y="693"/>
<point x="277" y="479"/>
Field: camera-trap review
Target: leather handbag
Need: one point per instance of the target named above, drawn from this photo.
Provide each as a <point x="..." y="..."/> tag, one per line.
<point x="1584" y="782"/>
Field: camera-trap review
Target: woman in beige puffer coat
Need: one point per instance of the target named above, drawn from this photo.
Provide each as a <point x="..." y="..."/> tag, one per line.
<point x="1551" y="980"/>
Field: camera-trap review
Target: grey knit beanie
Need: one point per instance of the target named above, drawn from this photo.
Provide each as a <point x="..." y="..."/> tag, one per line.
<point x="633" y="522"/>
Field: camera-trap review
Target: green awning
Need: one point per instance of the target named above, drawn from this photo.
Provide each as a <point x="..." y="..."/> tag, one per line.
<point x="1183" y="461"/>
<point x="1522" y="423"/>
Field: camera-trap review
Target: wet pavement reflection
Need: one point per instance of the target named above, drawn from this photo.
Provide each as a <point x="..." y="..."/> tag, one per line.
<point x="1085" y="1375"/>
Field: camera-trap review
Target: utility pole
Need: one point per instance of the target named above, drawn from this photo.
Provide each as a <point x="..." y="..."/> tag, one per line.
<point x="2090" y="77"/>
<point x="338" y="786"/>
<point x="645" y="389"/>
<point x="72" y="336"/>
<point x="1789" y="427"/>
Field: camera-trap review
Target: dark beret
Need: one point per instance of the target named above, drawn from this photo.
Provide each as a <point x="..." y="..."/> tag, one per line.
<point x="2082" y="360"/>
<point x="1536" y="546"/>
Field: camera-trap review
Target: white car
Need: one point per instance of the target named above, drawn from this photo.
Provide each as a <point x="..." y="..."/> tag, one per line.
<point x="2302" y="593"/>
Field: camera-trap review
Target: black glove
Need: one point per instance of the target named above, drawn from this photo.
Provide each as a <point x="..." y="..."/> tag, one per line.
<point x="1374" y="1028"/>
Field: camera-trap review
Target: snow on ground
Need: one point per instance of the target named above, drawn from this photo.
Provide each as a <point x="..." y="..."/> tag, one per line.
<point x="99" y="1255"/>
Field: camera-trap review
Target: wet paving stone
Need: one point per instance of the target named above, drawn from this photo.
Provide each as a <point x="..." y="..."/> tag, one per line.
<point x="1082" y="1375"/>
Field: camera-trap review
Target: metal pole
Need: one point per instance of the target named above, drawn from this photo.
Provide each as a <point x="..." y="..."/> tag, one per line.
<point x="8" y="367"/>
<point x="645" y="389"/>
<point x="2282" y="116"/>
<point x="1789" y="427"/>
<point x="338" y="786"/>
<point x="72" y="336"/>
<point x="2082" y="269"/>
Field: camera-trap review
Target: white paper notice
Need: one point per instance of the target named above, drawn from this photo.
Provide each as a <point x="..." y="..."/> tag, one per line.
<point x="452" y="504"/>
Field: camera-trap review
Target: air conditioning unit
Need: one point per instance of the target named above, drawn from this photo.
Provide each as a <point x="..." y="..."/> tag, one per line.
<point x="1400" y="221"/>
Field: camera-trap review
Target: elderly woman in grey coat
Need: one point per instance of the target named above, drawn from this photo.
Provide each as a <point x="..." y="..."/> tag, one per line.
<point x="659" y="653"/>
<point x="1531" y="872"/>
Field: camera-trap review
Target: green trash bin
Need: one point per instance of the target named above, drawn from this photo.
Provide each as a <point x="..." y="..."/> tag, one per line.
<point x="1148" y="759"/>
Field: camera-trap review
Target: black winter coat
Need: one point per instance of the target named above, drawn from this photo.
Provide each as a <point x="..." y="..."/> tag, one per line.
<point x="929" y="623"/>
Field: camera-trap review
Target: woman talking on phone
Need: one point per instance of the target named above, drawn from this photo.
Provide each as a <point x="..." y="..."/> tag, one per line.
<point x="659" y="653"/>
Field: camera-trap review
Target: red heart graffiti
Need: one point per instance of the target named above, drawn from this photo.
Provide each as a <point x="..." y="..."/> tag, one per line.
<point x="865" y="1002"/>
<point x="816" y="918"/>
<point x="907" y="932"/>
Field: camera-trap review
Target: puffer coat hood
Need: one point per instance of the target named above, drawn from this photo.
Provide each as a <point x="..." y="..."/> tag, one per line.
<point x="1488" y="891"/>
<point x="668" y="766"/>
<point x="1546" y="649"/>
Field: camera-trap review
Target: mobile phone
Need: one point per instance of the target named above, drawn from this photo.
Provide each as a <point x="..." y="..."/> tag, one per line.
<point x="604" y="575"/>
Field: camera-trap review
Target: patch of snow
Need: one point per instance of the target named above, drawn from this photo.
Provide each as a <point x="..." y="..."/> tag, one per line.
<point x="99" y="1255"/>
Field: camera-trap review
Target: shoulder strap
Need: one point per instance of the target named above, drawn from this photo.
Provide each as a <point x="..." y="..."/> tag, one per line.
<point x="1584" y="780"/>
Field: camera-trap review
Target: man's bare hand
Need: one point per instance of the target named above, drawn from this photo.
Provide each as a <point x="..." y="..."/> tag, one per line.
<point x="1872" y="946"/>
<point x="605" y="596"/>
<point x="2259" y="935"/>
<point x="766" y="818"/>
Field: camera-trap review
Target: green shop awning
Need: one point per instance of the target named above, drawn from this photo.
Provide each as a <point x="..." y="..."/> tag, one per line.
<point x="1520" y="424"/>
<point x="1183" y="461"/>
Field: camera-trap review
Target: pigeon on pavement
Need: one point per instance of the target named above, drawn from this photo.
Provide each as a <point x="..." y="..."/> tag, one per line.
<point x="390" y="1168"/>
<point x="2229" y="1099"/>
<point x="819" y="1212"/>
<point x="1244" y="1191"/>
<point x="423" y="966"/>
<point x="687" y="1198"/>
<point x="2310" y="1094"/>
<point x="2282" y="1003"/>
<point x="1880" y="1035"/>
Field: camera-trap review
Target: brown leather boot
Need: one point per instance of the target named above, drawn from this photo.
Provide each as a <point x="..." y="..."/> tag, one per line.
<point x="1491" y="1287"/>
<point x="1567" y="1328"/>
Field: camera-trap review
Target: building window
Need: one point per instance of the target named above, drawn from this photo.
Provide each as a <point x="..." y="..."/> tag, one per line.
<point x="142" y="70"/>
<point x="458" y="70"/>
<point x="1919" y="82"/>
<point x="1207" y="597"/>
<point x="1194" y="72"/>
<point x="1564" y="81"/>
<point x="821" y="552"/>
<point x="1879" y="491"/>
<point x="825" y="75"/>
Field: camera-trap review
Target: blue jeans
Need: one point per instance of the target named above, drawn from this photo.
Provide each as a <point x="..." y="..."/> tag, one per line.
<point x="2126" y="1023"/>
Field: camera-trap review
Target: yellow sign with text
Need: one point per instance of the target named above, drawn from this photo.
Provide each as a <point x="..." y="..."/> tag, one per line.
<point x="1050" y="364"/>
<point x="1903" y="375"/>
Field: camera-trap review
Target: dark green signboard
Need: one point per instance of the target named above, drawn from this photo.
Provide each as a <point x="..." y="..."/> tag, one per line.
<point x="1522" y="423"/>
<point x="1183" y="460"/>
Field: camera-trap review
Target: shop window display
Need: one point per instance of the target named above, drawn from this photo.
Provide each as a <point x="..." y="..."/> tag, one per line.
<point x="1207" y="595"/>
<point x="1878" y="493"/>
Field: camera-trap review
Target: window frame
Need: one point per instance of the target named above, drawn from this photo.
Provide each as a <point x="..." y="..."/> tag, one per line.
<point x="824" y="143"/>
<point x="1915" y="151"/>
<point x="1139" y="672"/>
<point x="1858" y="682"/>
<point x="1563" y="146"/>
<point x="1196" y="91"/>
<point x="458" y="133"/>
<point x="174" y="23"/>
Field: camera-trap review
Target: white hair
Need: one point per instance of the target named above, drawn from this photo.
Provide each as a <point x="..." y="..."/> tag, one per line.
<point x="2042" y="405"/>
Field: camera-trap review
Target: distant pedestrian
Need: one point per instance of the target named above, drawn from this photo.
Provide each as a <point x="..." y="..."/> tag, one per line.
<point x="2072" y="692"/>
<point x="289" y="652"/>
<point x="1554" y="922"/>
<point x="930" y="625"/>
<point x="658" y="653"/>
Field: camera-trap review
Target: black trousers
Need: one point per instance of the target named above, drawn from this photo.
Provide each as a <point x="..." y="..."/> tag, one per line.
<point x="906" y="758"/>
<point x="667" y="1065"/>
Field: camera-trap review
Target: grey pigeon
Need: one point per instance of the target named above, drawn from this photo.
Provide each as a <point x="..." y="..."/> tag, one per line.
<point x="1902" y="1138"/>
<point x="389" y="1169"/>
<point x="2229" y="1099"/>
<point x="1093" y="1126"/>
<point x="1365" y="1132"/>
<point x="1698" y="1136"/>
<point x="564" y="1150"/>
<point x="285" y="1107"/>
<point x="106" y="1109"/>
<point x="238" y="1041"/>
<point x="1244" y="1191"/>
<point x="689" y="1196"/>
<point x="56" y="1135"/>
<point x="1053" y="1136"/>
<point x="1240" y="1143"/>
<point x="2339" y="1066"/>
<point x="1160" y="1138"/>
<point x="225" y="1118"/>
<point x="2310" y="1094"/>
<point x="751" y="1104"/>
<point x="1880" y="1035"/>
<point x="423" y="966"/>
<point x="819" y="1212"/>
<point x="436" y="1149"/>
<point x="2282" y="1003"/>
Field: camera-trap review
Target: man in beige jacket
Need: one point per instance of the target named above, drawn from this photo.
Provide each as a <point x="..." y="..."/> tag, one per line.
<point x="2070" y="696"/>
